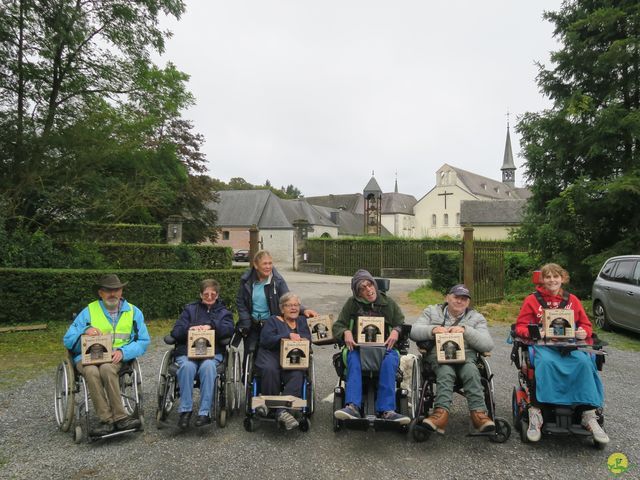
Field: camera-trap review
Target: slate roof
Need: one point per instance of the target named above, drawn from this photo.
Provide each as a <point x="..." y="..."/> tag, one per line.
<point x="488" y="187"/>
<point x="243" y="208"/>
<point x="398" y="203"/>
<point x="354" y="202"/>
<point x="499" y="212"/>
<point x="351" y="202"/>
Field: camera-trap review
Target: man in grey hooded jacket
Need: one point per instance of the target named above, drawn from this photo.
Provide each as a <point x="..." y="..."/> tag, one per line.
<point x="455" y="316"/>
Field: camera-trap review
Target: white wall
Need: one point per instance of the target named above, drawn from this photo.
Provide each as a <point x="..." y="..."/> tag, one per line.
<point x="280" y="245"/>
<point x="491" y="232"/>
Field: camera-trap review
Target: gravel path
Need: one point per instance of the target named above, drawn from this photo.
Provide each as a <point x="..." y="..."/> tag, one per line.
<point x="31" y="447"/>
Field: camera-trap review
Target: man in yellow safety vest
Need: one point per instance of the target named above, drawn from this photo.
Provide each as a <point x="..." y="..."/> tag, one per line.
<point x="112" y="315"/>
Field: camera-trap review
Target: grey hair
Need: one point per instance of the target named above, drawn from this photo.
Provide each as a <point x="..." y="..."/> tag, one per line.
<point x="285" y="298"/>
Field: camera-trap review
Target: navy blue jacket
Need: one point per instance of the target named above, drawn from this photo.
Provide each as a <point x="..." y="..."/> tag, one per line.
<point x="197" y="313"/>
<point x="273" y="291"/>
<point x="274" y="329"/>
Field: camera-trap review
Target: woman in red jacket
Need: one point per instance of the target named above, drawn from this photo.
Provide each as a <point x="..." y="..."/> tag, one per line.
<point x="561" y="379"/>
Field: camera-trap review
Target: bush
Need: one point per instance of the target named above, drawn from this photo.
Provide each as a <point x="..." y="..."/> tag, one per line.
<point x="444" y="268"/>
<point x="145" y="256"/>
<point x="114" y="232"/>
<point x="43" y="295"/>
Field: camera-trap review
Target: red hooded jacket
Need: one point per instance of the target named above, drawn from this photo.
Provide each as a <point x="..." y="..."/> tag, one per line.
<point x="531" y="312"/>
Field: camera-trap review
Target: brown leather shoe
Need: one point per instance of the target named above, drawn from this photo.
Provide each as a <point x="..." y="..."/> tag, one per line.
<point x="481" y="421"/>
<point x="437" y="421"/>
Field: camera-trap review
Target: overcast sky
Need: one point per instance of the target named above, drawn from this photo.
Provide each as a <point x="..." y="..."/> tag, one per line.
<point x="321" y="93"/>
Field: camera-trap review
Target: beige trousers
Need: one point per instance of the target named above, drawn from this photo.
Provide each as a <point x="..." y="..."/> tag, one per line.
<point x="103" y="383"/>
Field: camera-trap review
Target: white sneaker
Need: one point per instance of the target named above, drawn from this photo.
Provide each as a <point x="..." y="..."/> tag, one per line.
<point x="590" y="422"/>
<point x="535" y="424"/>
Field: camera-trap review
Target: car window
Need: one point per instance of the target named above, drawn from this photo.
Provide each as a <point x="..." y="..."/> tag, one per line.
<point x="636" y="274"/>
<point x="625" y="270"/>
<point x="607" y="271"/>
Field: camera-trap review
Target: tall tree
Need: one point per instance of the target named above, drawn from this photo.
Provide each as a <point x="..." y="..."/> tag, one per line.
<point x="89" y="128"/>
<point x="582" y="155"/>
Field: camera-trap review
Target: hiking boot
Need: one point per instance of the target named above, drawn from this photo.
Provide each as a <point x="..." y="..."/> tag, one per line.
<point x="287" y="420"/>
<point x="437" y="421"/>
<point x="183" y="421"/>
<point x="590" y="422"/>
<point x="481" y="421"/>
<point x="396" y="417"/>
<point x="105" y="428"/>
<point x="128" y="423"/>
<point x="202" y="420"/>
<point x="534" y="432"/>
<point x="349" y="412"/>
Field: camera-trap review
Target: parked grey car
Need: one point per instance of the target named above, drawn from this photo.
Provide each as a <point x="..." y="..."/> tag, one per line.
<point x="616" y="294"/>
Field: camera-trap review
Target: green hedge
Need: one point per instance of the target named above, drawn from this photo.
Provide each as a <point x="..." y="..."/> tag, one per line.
<point x="116" y="232"/>
<point x="163" y="256"/>
<point x="444" y="268"/>
<point x="44" y="295"/>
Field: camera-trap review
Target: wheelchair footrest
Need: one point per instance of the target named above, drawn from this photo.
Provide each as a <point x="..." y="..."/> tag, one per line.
<point x="278" y="401"/>
<point x="371" y="421"/>
<point x="577" y="430"/>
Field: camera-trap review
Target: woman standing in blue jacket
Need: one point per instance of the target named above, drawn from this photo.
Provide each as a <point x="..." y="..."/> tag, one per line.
<point x="261" y="288"/>
<point x="209" y="313"/>
<point x="292" y="325"/>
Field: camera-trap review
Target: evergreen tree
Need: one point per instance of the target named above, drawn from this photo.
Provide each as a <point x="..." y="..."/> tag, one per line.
<point x="582" y="154"/>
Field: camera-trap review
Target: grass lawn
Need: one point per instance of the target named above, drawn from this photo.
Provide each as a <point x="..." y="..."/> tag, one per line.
<point x="25" y="354"/>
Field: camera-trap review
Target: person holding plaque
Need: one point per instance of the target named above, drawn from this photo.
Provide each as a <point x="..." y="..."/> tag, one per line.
<point x="258" y="298"/>
<point x="209" y="313"/>
<point x="110" y="315"/>
<point x="455" y="316"/>
<point x="561" y="377"/>
<point x="367" y="301"/>
<point x="290" y="324"/>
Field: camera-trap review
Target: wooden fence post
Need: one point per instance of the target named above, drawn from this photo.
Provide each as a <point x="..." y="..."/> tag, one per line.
<point x="467" y="259"/>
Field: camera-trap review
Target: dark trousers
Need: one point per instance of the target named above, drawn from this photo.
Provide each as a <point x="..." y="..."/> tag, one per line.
<point x="273" y="377"/>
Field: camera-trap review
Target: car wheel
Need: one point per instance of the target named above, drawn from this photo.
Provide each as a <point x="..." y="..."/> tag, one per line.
<point x="600" y="316"/>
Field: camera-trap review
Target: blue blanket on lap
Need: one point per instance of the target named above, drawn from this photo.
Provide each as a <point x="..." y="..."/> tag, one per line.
<point x="566" y="380"/>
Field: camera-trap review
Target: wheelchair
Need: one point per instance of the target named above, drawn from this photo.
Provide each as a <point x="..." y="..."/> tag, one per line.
<point x="558" y="420"/>
<point x="228" y="383"/>
<point x="425" y="386"/>
<point x="71" y="399"/>
<point x="302" y="408"/>
<point x="405" y="398"/>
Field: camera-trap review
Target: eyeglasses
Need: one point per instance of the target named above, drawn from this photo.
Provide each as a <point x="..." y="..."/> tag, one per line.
<point x="291" y="305"/>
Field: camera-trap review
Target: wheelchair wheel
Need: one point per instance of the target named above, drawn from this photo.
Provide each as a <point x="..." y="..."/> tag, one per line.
<point x="524" y="426"/>
<point x="416" y="385"/>
<point x="515" y="411"/>
<point x="234" y="384"/>
<point x="305" y="425"/>
<point x="166" y="388"/>
<point x="338" y="397"/>
<point x="249" y="424"/>
<point x="131" y="392"/>
<point x="503" y="431"/>
<point x="220" y="406"/>
<point x="63" y="400"/>
<point x="77" y="434"/>
<point x="248" y="383"/>
<point x="417" y="431"/>
<point x="311" y="388"/>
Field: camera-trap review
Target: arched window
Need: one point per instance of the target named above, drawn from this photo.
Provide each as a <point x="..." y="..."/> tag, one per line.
<point x="433" y="220"/>
<point x="446" y="219"/>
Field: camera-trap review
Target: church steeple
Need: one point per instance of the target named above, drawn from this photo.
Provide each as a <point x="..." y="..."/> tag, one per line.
<point x="508" y="167"/>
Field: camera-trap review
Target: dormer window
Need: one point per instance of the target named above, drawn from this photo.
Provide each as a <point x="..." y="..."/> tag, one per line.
<point x="484" y="186"/>
<point x="497" y="189"/>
